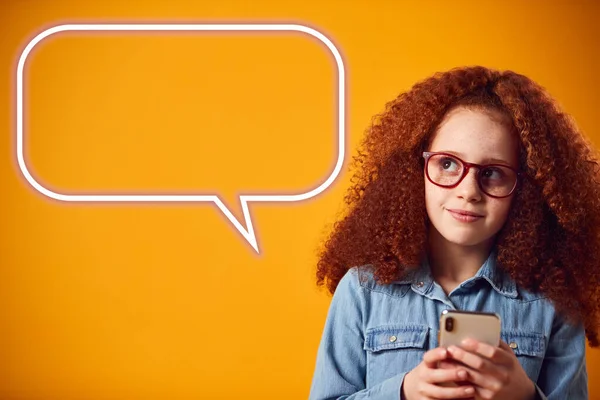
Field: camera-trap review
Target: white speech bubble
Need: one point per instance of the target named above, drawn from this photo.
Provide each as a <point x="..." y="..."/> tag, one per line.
<point x="248" y="232"/>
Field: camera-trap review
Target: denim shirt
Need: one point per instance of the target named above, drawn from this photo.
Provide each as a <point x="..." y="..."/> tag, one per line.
<point x="374" y="334"/>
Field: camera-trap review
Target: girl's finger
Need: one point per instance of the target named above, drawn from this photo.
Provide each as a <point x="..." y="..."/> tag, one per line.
<point x="495" y="354"/>
<point x="483" y="382"/>
<point x="449" y="364"/>
<point x="445" y="375"/>
<point x="484" y="393"/>
<point x="439" y="392"/>
<point x="432" y="357"/>
<point x="471" y="360"/>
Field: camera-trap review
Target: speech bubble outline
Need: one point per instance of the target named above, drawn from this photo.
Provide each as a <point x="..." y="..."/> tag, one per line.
<point x="248" y="232"/>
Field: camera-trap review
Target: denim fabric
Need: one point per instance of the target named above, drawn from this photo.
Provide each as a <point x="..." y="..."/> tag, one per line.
<point x="374" y="334"/>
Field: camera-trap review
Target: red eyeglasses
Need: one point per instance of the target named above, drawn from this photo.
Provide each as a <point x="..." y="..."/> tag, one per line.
<point x="447" y="170"/>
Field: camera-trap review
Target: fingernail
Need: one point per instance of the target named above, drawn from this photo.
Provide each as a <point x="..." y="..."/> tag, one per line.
<point x="452" y="349"/>
<point x="462" y="374"/>
<point x="469" y="390"/>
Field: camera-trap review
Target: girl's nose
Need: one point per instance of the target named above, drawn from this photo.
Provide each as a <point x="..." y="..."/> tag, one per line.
<point x="468" y="188"/>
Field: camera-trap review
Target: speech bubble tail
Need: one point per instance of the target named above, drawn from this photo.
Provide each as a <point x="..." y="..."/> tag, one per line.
<point x="237" y="210"/>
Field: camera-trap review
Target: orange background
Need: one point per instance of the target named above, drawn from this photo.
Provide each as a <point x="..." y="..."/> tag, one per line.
<point x="166" y="301"/>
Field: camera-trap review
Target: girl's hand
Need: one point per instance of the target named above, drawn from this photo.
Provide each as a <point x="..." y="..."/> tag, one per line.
<point x="495" y="371"/>
<point x="422" y="383"/>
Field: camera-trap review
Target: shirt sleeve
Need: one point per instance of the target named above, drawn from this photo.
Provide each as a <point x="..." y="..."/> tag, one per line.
<point x="564" y="374"/>
<point x="340" y="370"/>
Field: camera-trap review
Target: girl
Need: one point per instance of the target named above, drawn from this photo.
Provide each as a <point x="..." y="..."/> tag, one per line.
<point x="472" y="191"/>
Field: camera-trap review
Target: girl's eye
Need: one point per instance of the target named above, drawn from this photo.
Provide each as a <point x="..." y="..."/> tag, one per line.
<point x="449" y="163"/>
<point x="493" y="173"/>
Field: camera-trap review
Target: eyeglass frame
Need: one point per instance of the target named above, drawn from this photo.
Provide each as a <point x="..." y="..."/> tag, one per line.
<point x="467" y="165"/>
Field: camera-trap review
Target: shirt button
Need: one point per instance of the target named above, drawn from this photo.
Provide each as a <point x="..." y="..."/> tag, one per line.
<point x="420" y="284"/>
<point x="393" y="339"/>
<point x="513" y="345"/>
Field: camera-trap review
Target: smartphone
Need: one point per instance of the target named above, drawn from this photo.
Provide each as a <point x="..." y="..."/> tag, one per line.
<point x="458" y="325"/>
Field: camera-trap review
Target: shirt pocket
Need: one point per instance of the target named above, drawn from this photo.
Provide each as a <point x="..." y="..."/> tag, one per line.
<point x="529" y="347"/>
<point x="393" y="349"/>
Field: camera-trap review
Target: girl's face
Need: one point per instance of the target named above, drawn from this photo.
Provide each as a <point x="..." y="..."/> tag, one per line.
<point x="482" y="138"/>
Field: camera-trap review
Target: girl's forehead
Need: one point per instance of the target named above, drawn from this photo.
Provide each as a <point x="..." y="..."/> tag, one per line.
<point x="476" y="135"/>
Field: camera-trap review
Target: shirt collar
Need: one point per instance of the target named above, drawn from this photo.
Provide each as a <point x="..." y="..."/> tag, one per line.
<point x="422" y="280"/>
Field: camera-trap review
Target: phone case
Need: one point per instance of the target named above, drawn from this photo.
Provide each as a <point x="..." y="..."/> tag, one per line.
<point x="484" y="327"/>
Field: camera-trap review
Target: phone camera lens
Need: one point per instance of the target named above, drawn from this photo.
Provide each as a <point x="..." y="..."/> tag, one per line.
<point x="449" y="324"/>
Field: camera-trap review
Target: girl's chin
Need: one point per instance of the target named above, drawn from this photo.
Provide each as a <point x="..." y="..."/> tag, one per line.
<point x="464" y="235"/>
<point x="467" y="241"/>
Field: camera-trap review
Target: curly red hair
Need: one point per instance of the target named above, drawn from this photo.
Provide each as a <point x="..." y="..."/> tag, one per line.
<point x="550" y="243"/>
